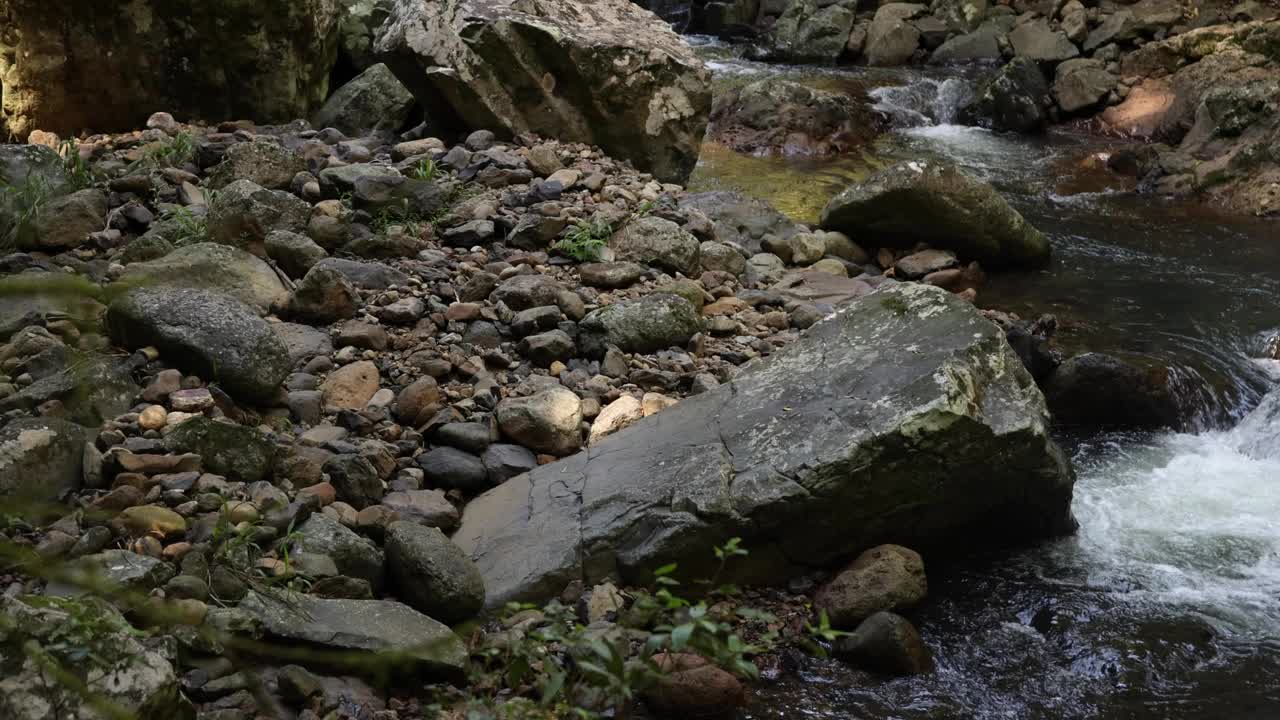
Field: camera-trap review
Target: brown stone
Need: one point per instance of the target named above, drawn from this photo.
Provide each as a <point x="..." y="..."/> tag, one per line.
<point x="887" y="577"/>
<point x="690" y="686"/>
<point x="351" y="386"/>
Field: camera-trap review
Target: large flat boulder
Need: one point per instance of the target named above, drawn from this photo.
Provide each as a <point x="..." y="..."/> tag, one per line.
<point x="211" y="266"/>
<point x="606" y="72"/>
<point x="79" y="64"/>
<point x="905" y="418"/>
<point x="206" y="333"/>
<point x="936" y="203"/>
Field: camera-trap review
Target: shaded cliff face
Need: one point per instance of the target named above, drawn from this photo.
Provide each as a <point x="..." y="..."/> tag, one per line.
<point x="74" y="65"/>
<point x="605" y="72"/>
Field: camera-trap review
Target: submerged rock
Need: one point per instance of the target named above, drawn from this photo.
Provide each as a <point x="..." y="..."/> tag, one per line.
<point x="1099" y="390"/>
<point x="456" y="55"/>
<point x="935" y="203"/>
<point x="824" y="449"/>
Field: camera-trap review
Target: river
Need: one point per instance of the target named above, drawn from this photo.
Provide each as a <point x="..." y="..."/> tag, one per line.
<point x="1166" y="603"/>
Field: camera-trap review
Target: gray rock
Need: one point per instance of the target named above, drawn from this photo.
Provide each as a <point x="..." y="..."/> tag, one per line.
<point x="545" y="348"/>
<point x="370" y="102"/>
<point x="302" y="342"/>
<point x="647" y="324"/>
<point x="611" y="274"/>
<point x="1036" y="40"/>
<point x="425" y="507"/>
<point x="1082" y="84"/>
<point x="503" y="462"/>
<point x="981" y="45"/>
<point x="432" y="574"/>
<point x="91" y="391"/>
<point x="548" y="421"/>
<point x="294" y="253"/>
<point x="212" y="267"/>
<point x="452" y="468"/>
<point x="66" y="222"/>
<point x="366" y="275"/>
<point x="243" y="214"/>
<point x="812" y="30"/>
<point x="793" y="457"/>
<point x="741" y="219"/>
<point x="656" y="119"/>
<point x="1015" y="99"/>
<point x="355" y="479"/>
<point x="917" y="265"/>
<point x="934" y="202"/>
<point x="119" y="570"/>
<point x="261" y="162"/>
<point x="660" y="243"/>
<point x="324" y="296"/>
<point x="40" y="459"/>
<point x="204" y="333"/>
<point x="354" y="555"/>
<point x="892" y="39"/>
<point x="238" y="452"/>
<point x="523" y="292"/>
<point x="384" y="636"/>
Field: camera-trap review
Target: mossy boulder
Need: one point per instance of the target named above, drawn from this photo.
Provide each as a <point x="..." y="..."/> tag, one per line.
<point x="934" y="202"/>
<point x="648" y="324"/>
<point x="211" y="266"/>
<point x="237" y="451"/>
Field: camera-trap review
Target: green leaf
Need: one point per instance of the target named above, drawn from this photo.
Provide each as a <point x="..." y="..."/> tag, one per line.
<point x="680" y="636"/>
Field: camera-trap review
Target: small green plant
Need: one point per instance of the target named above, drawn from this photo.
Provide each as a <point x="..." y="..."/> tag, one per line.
<point x="896" y="305"/>
<point x="585" y="240"/>
<point x="189" y="228"/>
<point x="424" y="170"/>
<point x="79" y="176"/>
<point x="398" y="214"/>
<point x="821" y="635"/>
<point x="25" y="202"/>
<point x="180" y="149"/>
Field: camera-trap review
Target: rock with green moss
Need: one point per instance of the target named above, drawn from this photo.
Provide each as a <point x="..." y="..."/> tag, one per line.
<point x="211" y="266"/>
<point x="40" y="459"/>
<point x="93" y="642"/>
<point x="372" y="101"/>
<point x="905" y="415"/>
<point x="934" y="202"/>
<point x="648" y="324"/>
<point x="237" y="451"/>
<point x="244" y="213"/>
<point x="269" y="61"/>
<point x="813" y="30"/>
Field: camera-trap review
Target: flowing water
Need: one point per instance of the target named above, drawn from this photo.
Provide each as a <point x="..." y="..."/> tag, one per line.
<point x="1166" y="604"/>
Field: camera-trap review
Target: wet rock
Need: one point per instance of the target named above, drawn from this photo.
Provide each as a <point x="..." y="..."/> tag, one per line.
<point x="367" y="629"/>
<point x="204" y="333"/>
<point x="918" y="265"/>
<point x="1099" y="390"/>
<point x="647" y="324"/>
<point x="235" y="451"/>
<point x="657" y="242"/>
<point x="431" y="574"/>
<point x="656" y="119"/>
<point x="888" y="577"/>
<point x="1016" y="99"/>
<point x="372" y="101"/>
<point x="548" y="421"/>
<point x="533" y="534"/>
<point x="776" y="115"/>
<point x="936" y="203"/>
<point x="886" y="643"/>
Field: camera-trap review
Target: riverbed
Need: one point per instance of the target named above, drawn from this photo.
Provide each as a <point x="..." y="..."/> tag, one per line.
<point x="1166" y="603"/>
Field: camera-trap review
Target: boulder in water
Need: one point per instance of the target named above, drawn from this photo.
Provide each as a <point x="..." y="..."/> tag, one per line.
<point x="459" y="58"/>
<point x="836" y="443"/>
<point x="1016" y="99"/>
<point x="1099" y="390"/>
<point x="935" y="203"/>
<point x="812" y="30"/>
